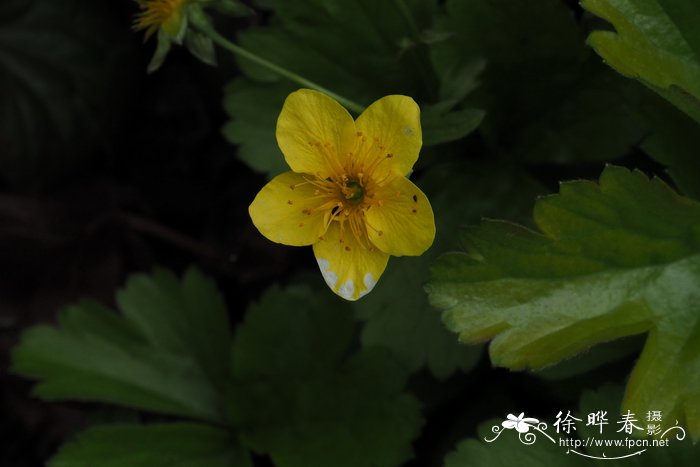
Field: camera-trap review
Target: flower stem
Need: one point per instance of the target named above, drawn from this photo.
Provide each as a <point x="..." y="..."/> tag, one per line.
<point x="241" y="52"/>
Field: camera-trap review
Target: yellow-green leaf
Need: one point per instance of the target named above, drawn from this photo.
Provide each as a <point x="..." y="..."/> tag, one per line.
<point x="613" y="259"/>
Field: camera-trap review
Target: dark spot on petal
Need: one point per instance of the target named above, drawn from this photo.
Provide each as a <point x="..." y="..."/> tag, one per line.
<point x="290" y="202"/>
<point x="415" y="198"/>
<point x="347" y="248"/>
<point x="414" y="211"/>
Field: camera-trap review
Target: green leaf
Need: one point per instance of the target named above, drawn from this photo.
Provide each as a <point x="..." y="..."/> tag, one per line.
<point x="157" y="445"/>
<point x="614" y="259"/>
<point x="657" y="42"/>
<point x="546" y="97"/>
<point x="442" y="128"/>
<point x="254" y="109"/>
<point x="185" y="317"/>
<point x="405" y="323"/>
<point x="164" y="355"/>
<point x="300" y="397"/>
<point x="602" y="354"/>
<point x="674" y="141"/>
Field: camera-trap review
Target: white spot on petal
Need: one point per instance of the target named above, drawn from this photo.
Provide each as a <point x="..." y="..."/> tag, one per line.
<point x="347" y="290"/>
<point x="329" y="276"/>
<point x="369" y="284"/>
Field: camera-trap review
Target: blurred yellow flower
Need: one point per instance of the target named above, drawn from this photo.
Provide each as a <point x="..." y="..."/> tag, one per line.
<point x="165" y="14"/>
<point x="347" y="193"/>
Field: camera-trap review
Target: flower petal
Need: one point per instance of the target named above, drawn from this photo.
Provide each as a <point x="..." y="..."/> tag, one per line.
<point x="350" y="270"/>
<point x="283" y="211"/>
<point x="315" y="133"/>
<point x="508" y="424"/>
<point x="404" y="223"/>
<point x="390" y="136"/>
<point x="522" y="427"/>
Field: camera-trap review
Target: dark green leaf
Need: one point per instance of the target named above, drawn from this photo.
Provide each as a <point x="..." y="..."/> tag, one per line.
<point x="545" y="95"/>
<point x="674" y="142"/>
<point x="166" y="356"/>
<point x="451" y="126"/>
<point x="161" y="445"/>
<point x="300" y="397"/>
<point x="253" y="109"/>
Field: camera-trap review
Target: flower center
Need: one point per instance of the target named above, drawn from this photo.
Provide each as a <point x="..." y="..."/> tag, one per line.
<point x="155" y="13"/>
<point x="353" y="191"/>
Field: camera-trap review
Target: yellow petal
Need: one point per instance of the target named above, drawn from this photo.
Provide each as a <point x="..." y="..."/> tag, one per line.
<point x="389" y="135"/>
<point x="404" y="223"/>
<point x="285" y="211"/>
<point x="349" y="269"/>
<point x="315" y="133"/>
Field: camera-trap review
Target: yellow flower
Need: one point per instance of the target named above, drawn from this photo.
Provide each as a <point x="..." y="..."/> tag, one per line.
<point x="347" y="193"/>
<point x="164" y="14"/>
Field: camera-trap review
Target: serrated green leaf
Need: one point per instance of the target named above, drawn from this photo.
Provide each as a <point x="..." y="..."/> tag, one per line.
<point x="285" y="334"/>
<point x="254" y="108"/>
<point x="157" y="445"/>
<point x="545" y="95"/>
<point x="298" y="396"/>
<point x="185" y="317"/>
<point x="405" y="323"/>
<point x="615" y="259"/>
<point x="164" y="356"/>
<point x="657" y="42"/>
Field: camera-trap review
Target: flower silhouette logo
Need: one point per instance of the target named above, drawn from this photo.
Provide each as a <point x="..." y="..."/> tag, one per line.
<point x="520" y="423"/>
